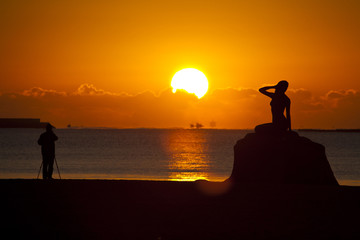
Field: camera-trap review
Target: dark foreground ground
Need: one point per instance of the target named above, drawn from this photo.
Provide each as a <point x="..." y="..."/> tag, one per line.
<point x="100" y="209"/>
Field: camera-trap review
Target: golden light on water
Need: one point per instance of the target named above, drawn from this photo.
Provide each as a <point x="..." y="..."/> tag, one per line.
<point x="191" y="80"/>
<point x="188" y="167"/>
<point x="188" y="161"/>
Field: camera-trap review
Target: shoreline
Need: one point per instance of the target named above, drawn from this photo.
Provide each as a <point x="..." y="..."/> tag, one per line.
<point x="137" y="209"/>
<point x="186" y="128"/>
<point x="342" y="183"/>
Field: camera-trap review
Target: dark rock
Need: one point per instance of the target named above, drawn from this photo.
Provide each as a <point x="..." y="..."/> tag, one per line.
<point x="281" y="159"/>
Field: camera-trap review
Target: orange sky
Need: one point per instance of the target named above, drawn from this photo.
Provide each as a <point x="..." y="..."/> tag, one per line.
<point x="132" y="47"/>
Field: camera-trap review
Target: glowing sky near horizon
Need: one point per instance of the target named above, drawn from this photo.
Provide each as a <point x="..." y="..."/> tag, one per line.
<point x="128" y="48"/>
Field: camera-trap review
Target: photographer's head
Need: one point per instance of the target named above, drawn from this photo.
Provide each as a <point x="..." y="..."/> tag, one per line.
<point x="49" y="127"/>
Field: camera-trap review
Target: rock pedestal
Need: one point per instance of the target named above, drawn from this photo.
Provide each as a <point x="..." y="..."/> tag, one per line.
<point x="280" y="159"/>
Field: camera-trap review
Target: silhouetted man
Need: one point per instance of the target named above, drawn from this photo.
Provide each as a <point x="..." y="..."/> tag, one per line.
<point x="47" y="142"/>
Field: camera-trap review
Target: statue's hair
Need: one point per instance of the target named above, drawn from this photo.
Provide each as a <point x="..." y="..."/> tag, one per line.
<point x="282" y="85"/>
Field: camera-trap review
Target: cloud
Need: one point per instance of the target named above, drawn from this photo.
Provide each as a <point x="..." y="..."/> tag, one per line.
<point x="86" y="89"/>
<point x="229" y="108"/>
<point x="303" y="101"/>
<point x="40" y="92"/>
<point x="336" y="109"/>
<point x="232" y="94"/>
<point x="341" y="97"/>
<point x="342" y="94"/>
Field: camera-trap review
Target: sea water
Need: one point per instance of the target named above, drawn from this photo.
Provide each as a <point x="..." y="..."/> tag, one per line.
<point x="154" y="154"/>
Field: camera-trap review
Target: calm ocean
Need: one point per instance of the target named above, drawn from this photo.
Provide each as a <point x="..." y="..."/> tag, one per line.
<point x="154" y="154"/>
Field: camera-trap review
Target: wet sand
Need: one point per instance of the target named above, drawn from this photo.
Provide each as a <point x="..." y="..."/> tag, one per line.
<point x="103" y="209"/>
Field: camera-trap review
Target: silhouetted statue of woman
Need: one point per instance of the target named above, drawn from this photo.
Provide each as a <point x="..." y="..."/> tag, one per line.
<point x="279" y="103"/>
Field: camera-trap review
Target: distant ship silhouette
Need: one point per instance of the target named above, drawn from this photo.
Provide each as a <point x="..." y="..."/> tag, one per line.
<point x="22" y="123"/>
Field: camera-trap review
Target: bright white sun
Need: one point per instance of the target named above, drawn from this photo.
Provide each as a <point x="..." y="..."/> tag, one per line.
<point x="190" y="80"/>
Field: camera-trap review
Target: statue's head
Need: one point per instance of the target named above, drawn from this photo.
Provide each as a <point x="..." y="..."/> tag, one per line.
<point x="282" y="86"/>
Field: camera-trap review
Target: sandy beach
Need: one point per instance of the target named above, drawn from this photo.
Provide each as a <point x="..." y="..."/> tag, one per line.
<point x="120" y="209"/>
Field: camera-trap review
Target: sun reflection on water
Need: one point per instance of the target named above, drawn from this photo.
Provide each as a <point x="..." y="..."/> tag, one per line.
<point x="188" y="159"/>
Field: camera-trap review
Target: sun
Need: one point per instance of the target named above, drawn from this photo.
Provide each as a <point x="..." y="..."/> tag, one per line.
<point x="191" y="80"/>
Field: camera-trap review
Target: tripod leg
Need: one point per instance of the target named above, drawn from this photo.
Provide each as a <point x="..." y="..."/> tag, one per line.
<point x="57" y="168"/>
<point x="39" y="170"/>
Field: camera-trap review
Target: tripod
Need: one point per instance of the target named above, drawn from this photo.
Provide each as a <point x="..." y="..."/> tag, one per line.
<point x="56" y="167"/>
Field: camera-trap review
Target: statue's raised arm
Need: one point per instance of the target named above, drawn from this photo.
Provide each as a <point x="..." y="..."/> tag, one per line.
<point x="264" y="90"/>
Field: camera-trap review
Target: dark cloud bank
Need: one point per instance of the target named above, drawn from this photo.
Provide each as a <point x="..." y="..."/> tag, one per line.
<point x="229" y="108"/>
